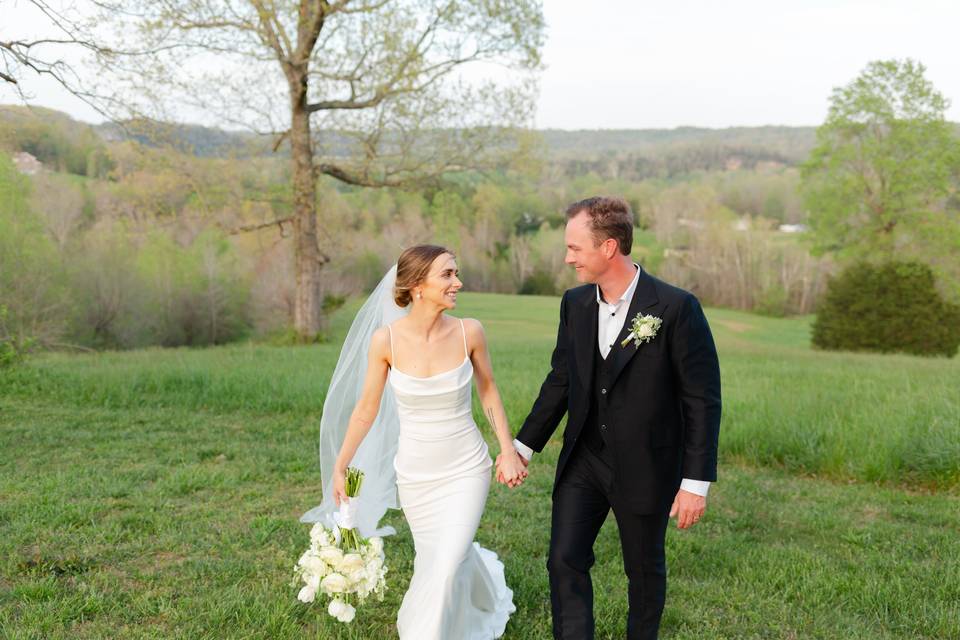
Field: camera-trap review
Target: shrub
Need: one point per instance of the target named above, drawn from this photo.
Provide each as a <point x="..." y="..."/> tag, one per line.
<point x="539" y="283"/>
<point x="888" y="307"/>
<point x="13" y="347"/>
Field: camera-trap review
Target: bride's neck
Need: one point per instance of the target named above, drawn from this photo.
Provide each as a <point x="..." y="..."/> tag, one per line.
<point x="424" y="321"/>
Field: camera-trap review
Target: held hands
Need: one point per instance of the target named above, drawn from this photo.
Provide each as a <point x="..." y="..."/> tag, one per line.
<point x="511" y="468"/>
<point x="688" y="508"/>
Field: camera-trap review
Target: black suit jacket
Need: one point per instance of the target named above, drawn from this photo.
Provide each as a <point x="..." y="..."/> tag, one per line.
<point x="664" y="399"/>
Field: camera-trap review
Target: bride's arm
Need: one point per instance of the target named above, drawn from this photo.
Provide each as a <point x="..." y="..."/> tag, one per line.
<point x="361" y="419"/>
<point x="490" y="399"/>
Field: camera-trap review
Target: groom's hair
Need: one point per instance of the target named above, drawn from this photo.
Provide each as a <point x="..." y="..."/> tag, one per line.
<point x="609" y="218"/>
<point x="413" y="265"/>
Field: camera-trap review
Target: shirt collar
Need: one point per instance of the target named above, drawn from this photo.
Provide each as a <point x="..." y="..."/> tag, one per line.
<point x="628" y="294"/>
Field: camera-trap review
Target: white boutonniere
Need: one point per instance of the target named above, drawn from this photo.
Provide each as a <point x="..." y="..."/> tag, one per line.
<point x="642" y="329"/>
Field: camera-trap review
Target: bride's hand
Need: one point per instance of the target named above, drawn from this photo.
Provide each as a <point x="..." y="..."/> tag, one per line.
<point x="510" y="469"/>
<point x="339" y="486"/>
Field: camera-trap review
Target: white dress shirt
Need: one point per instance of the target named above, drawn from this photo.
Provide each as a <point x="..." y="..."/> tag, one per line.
<point x="611" y="318"/>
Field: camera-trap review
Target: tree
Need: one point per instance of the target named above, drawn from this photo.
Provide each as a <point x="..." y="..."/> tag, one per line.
<point x="884" y="167"/>
<point x="887" y="307"/>
<point x="45" y="56"/>
<point x="369" y="92"/>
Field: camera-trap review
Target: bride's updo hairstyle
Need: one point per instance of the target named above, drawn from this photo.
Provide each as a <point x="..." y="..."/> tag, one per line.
<point x="413" y="265"/>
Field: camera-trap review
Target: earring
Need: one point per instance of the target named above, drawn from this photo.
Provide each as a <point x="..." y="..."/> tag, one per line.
<point x="419" y="294"/>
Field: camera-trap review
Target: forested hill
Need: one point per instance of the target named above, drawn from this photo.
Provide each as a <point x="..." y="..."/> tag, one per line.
<point x="638" y="152"/>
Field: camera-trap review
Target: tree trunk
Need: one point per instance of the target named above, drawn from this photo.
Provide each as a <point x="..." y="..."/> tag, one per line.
<point x="306" y="315"/>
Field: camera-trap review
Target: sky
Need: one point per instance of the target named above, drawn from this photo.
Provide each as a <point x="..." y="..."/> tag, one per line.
<point x="640" y="64"/>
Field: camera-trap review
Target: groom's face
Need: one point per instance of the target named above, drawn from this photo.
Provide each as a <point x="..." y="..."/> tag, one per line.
<point x="583" y="253"/>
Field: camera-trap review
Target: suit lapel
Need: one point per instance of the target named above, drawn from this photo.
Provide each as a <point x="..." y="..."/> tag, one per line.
<point x="585" y="340"/>
<point x="644" y="297"/>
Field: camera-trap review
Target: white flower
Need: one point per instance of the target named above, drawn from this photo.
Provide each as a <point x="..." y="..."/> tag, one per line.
<point x="320" y="535"/>
<point x="331" y="555"/>
<point x="376" y="544"/>
<point x="642" y="329"/>
<point x="334" y="583"/>
<point x="351" y="562"/>
<point x="341" y="610"/>
<point x="307" y="595"/>
<point x="312" y="563"/>
<point x="357" y="576"/>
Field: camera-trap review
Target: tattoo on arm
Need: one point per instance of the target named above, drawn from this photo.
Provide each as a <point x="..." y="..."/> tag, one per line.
<point x="493" y="421"/>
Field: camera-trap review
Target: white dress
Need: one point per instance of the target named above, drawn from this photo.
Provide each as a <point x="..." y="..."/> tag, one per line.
<point x="458" y="590"/>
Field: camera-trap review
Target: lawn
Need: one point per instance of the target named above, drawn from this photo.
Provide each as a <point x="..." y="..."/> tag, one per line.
<point x="155" y="494"/>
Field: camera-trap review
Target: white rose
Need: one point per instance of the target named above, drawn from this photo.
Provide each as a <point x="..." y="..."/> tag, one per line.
<point x="376" y="544"/>
<point x="331" y="555"/>
<point x="313" y="564"/>
<point x="342" y="611"/>
<point x="334" y="583"/>
<point x="645" y="331"/>
<point x="358" y="575"/>
<point x="320" y="535"/>
<point x="306" y="595"/>
<point x="351" y="562"/>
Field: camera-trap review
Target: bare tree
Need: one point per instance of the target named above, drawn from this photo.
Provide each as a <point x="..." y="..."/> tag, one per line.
<point x="47" y="56"/>
<point x="371" y="93"/>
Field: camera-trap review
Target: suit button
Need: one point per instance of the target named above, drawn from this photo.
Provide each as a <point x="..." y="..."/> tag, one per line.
<point x="603" y="427"/>
<point x="603" y="390"/>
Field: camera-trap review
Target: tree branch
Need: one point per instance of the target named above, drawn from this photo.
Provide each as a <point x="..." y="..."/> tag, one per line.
<point x="246" y="228"/>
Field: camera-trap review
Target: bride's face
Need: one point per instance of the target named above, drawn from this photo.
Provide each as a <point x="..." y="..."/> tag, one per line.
<point x="441" y="284"/>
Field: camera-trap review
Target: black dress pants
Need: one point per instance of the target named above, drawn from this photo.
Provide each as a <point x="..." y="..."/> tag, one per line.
<point x="582" y="500"/>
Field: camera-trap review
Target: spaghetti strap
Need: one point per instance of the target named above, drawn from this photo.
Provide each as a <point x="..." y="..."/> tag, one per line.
<point x="466" y="352"/>
<point x="393" y="360"/>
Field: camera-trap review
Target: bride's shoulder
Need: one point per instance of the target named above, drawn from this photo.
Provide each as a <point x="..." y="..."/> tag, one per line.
<point x="474" y="330"/>
<point x="380" y="342"/>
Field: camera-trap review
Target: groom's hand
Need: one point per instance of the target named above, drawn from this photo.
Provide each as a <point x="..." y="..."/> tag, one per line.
<point x="688" y="508"/>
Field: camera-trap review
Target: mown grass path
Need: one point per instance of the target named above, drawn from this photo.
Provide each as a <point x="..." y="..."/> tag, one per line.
<point x="155" y="494"/>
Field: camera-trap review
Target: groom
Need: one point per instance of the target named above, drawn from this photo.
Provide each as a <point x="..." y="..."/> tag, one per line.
<point x="643" y="419"/>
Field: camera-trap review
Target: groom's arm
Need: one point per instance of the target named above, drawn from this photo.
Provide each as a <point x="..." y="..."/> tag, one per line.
<point x="697" y="370"/>
<point x="551" y="404"/>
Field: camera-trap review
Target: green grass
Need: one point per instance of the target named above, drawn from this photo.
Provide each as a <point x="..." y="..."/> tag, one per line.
<point x="155" y="494"/>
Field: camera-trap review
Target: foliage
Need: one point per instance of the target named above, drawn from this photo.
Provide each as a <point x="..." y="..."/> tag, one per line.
<point x="54" y="139"/>
<point x="14" y="347"/>
<point x="31" y="275"/>
<point x="887" y="307"/>
<point x="539" y="283"/>
<point x="880" y="180"/>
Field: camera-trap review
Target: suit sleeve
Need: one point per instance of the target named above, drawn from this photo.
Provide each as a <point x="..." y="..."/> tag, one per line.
<point x="550" y="406"/>
<point x="697" y="371"/>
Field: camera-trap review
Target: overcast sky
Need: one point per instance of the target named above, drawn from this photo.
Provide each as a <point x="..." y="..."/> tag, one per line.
<point x="710" y="63"/>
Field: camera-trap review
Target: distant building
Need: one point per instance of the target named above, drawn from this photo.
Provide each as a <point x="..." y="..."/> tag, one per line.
<point x="26" y="163"/>
<point x="792" y="228"/>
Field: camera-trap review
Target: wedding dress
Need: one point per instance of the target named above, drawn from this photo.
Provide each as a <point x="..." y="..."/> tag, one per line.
<point x="443" y="468"/>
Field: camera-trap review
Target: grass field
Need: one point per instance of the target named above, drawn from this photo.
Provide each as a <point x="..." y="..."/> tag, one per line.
<point x="155" y="494"/>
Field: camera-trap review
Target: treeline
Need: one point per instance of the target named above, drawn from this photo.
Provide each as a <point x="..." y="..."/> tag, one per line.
<point x="153" y="245"/>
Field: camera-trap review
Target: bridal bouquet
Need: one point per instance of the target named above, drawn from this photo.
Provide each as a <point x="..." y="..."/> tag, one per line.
<point x="340" y="564"/>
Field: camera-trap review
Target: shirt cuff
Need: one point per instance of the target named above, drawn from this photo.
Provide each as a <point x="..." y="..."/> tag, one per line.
<point x="699" y="487"/>
<point x="523" y="449"/>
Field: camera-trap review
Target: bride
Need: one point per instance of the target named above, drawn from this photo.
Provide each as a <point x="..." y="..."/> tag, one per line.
<point x="411" y="431"/>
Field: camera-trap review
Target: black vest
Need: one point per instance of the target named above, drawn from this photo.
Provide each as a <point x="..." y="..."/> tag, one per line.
<point x="597" y="428"/>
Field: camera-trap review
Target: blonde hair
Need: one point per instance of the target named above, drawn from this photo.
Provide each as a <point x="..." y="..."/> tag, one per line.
<point x="413" y="265"/>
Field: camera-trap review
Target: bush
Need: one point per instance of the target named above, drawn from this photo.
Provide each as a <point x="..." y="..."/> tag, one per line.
<point x="13" y="347"/>
<point x="888" y="307"/>
<point x="539" y="283"/>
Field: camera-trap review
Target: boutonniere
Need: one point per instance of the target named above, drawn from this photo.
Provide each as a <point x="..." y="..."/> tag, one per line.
<point x="642" y="329"/>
